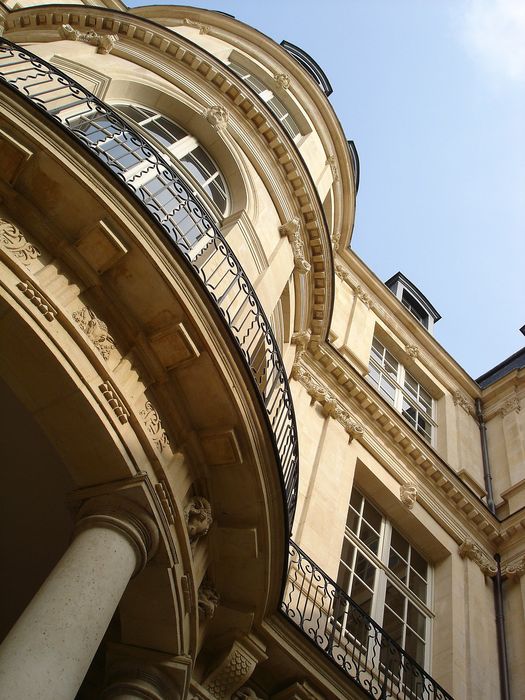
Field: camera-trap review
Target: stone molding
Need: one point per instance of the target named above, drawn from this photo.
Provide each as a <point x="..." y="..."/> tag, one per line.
<point x="408" y="495"/>
<point x="463" y="402"/>
<point x="110" y="394"/>
<point x="136" y="682"/>
<point x="13" y="241"/>
<point x="103" y="42"/>
<point x="292" y="230"/>
<point x="468" y="549"/>
<point x="153" y="426"/>
<point x="96" y="330"/>
<point x="331" y="407"/>
<point x="173" y="49"/>
<point x="39" y="299"/>
<point x="198" y="518"/>
<point x="126" y="517"/>
<point x="218" y="117"/>
<point x="165" y="501"/>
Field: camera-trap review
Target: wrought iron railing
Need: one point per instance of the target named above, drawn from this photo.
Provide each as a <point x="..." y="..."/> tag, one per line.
<point x="348" y="636"/>
<point x="163" y="193"/>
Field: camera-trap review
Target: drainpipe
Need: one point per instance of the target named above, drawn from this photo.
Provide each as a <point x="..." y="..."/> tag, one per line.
<point x="497" y="580"/>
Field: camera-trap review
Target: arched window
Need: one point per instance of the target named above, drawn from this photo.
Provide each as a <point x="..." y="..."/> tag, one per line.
<point x="181" y="146"/>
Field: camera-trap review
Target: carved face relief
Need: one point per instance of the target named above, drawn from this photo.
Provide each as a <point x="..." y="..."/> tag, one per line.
<point x="408" y="495"/>
<point x="208" y="601"/>
<point x="198" y="518"/>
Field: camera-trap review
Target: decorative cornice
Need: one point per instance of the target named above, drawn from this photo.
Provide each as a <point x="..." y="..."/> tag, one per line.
<point x="153" y="426"/>
<point x="408" y="495"/>
<point x="331" y="407"/>
<point x="282" y="81"/>
<point x="16" y="244"/>
<point x="96" y="330"/>
<point x="103" y="42"/>
<point x="510" y="405"/>
<point x="110" y="394"/>
<point x="218" y="117"/>
<point x="468" y="549"/>
<point x="463" y="402"/>
<point x="292" y="229"/>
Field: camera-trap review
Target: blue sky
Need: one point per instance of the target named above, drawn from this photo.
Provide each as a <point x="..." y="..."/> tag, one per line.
<point x="433" y="94"/>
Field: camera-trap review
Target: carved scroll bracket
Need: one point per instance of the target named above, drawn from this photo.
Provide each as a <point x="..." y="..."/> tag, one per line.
<point x="468" y="549"/>
<point x="292" y="229"/>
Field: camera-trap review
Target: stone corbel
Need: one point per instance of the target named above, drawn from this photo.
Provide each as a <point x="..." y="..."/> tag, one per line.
<point x="463" y="402"/>
<point x="301" y="340"/>
<point x="514" y="570"/>
<point x="235" y="669"/>
<point x="103" y="42"/>
<point x="198" y="518"/>
<point x="412" y="351"/>
<point x="292" y="230"/>
<point x="208" y="600"/>
<point x="470" y="550"/>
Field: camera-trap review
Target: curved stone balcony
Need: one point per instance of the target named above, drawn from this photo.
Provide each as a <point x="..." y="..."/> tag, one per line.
<point x="160" y="190"/>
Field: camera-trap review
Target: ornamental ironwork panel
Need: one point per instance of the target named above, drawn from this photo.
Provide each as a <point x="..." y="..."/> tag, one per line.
<point x="350" y="637"/>
<point x="174" y="206"/>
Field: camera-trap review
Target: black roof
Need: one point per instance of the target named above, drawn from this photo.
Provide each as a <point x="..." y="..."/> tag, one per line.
<point x="516" y="361"/>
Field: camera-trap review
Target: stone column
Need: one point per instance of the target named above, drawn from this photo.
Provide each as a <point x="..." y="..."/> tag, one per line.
<point x="138" y="684"/>
<point x="48" y="651"/>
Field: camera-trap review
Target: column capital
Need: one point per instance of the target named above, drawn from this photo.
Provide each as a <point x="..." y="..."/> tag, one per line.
<point x="126" y="517"/>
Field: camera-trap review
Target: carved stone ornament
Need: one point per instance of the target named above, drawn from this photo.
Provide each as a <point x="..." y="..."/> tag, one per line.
<point x="234" y="670"/>
<point x="198" y="518"/>
<point x="412" y="350"/>
<point x="470" y="550"/>
<point x="203" y="28"/>
<point x="282" y="80"/>
<point x="331" y="406"/>
<point x="342" y="273"/>
<point x="332" y="162"/>
<point x="364" y="297"/>
<point x="514" y="571"/>
<point x="218" y="117"/>
<point x="292" y="229"/>
<point x="208" y="601"/>
<point x="103" y="42"/>
<point x="336" y="238"/>
<point x="15" y="243"/>
<point x="408" y="495"/>
<point x="96" y="330"/>
<point x="510" y="405"/>
<point x="153" y="425"/>
<point x="165" y="501"/>
<point x="463" y="402"/>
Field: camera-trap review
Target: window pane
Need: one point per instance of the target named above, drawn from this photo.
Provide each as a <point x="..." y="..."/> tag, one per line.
<point x="343" y="577"/>
<point x="372" y="516"/>
<point x="415" y="647"/>
<point x="395" y="600"/>
<point x="393" y="626"/>
<point x="352" y="520"/>
<point x="347" y="555"/>
<point x="418" y="563"/>
<point x="418" y="586"/>
<point x="399" y="543"/>
<point x="356" y="500"/>
<point x="365" y="570"/>
<point x="416" y="620"/>
<point x="362" y="595"/>
<point x="387" y="389"/>
<point x="369" y="537"/>
<point x="397" y="565"/>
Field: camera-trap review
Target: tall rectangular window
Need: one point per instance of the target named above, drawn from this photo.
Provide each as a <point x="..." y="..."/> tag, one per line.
<point x="388" y="578"/>
<point x="401" y="390"/>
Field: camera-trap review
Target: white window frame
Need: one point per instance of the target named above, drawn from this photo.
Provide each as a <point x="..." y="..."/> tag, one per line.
<point x="419" y="401"/>
<point x="178" y="150"/>
<point x="384" y="575"/>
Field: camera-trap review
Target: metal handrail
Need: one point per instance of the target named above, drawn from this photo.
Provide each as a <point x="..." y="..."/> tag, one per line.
<point x="349" y="637"/>
<point x="168" y="199"/>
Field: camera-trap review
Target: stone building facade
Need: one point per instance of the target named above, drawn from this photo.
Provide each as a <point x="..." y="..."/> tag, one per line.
<point x="235" y="463"/>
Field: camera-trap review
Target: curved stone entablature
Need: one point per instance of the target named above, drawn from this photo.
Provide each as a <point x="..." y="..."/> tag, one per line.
<point x="141" y="359"/>
<point x="160" y="49"/>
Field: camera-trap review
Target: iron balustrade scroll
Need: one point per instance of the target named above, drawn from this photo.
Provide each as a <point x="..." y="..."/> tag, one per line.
<point x="163" y="192"/>
<point x="352" y="639"/>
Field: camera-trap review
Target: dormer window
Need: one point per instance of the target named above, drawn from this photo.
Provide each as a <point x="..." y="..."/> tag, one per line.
<point x="276" y="105"/>
<point x="413" y="300"/>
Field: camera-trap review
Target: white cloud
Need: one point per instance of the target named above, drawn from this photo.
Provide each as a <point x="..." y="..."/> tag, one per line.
<point x="494" y="34"/>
